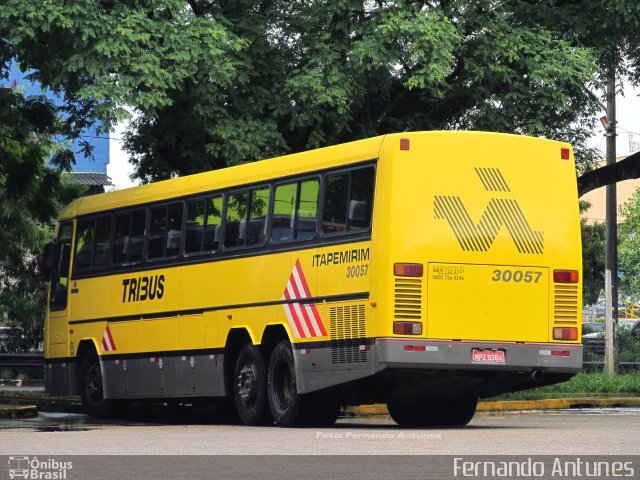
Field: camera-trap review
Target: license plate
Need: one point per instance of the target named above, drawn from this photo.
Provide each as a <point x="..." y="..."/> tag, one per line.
<point x="487" y="356"/>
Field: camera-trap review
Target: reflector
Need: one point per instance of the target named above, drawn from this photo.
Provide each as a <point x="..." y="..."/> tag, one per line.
<point x="566" y="276"/>
<point x="407" y="328"/>
<point x="565" y="333"/>
<point x="408" y="269"/>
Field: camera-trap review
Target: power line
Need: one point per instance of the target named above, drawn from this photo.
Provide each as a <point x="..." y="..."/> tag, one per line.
<point x="627" y="131"/>
<point x="102" y="138"/>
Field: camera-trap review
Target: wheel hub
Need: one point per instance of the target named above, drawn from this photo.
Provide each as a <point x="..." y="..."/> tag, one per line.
<point x="94" y="382"/>
<point x="247" y="384"/>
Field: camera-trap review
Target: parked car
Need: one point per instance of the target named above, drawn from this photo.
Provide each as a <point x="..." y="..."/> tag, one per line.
<point x="592" y="327"/>
<point x="594" y="342"/>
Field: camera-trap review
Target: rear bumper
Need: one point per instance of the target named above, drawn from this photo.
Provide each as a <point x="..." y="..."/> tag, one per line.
<point x="445" y="354"/>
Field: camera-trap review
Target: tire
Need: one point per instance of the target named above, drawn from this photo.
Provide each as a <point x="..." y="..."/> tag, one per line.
<point x="288" y="407"/>
<point x="91" y="391"/>
<point x="249" y="387"/>
<point x="433" y="411"/>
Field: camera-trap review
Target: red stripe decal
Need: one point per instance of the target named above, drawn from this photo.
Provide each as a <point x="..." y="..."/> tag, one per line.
<point x="293" y="314"/>
<point x="113" y="344"/>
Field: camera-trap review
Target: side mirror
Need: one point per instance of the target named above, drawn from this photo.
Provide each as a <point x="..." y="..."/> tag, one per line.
<point x="48" y="260"/>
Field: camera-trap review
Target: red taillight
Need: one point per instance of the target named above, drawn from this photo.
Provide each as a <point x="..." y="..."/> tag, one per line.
<point x="565" y="333"/>
<point x="560" y="353"/>
<point x="407" y="328"/>
<point x="405" y="144"/>
<point x="565" y="153"/>
<point x="566" y="276"/>
<point x="408" y="269"/>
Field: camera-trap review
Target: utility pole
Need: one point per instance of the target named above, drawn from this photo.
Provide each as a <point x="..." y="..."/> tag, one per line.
<point x="611" y="241"/>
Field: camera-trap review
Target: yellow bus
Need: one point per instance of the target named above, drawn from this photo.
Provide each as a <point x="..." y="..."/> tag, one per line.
<point x="422" y="270"/>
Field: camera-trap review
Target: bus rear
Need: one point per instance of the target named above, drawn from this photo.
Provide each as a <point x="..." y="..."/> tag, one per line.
<point x="482" y="261"/>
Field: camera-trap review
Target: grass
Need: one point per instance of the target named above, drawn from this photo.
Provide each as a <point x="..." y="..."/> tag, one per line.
<point x="583" y="385"/>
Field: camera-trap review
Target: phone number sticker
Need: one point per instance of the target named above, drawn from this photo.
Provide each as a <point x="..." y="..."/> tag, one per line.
<point x="448" y="273"/>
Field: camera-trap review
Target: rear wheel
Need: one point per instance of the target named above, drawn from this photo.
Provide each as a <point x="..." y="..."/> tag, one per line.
<point x="288" y="407"/>
<point x="249" y="385"/>
<point x="91" y="391"/>
<point x="433" y="411"/>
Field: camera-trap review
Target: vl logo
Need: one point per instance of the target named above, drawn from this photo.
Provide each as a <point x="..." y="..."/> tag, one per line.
<point x="500" y="211"/>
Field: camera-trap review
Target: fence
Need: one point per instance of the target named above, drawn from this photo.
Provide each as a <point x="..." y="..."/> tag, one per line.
<point x="593" y="331"/>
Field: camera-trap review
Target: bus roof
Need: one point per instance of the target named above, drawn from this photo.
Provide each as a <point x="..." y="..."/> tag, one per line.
<point x="296" y="163"/>
<point x="237" y="175"/>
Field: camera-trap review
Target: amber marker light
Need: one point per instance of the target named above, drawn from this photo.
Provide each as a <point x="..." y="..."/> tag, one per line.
<point x="408" y="269"/>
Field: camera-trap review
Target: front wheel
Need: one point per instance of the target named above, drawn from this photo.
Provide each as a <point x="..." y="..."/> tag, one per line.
<point x="91" y="391"/>
<point x="249" y="386"/>
<point x="288" y="407"/>
<point x="433" y="411"/>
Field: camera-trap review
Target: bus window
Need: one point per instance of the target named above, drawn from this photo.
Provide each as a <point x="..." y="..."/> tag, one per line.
<point x="128" y="240"/>
<point x="204" y="217"/>
<point x="212" y="231"/>
<point x="121" y="238"/>
<point x="336" y="193"/>
<point x="195" y="226"/>
<point x="174" y="229"/>
<point x="284" y="208"/>
<point x="157" y="225"/>
<point x="237" y="206"/>
<point x="60" y="281"/>
<point x="361" y="199"/>
<point x="136" y="241"/>
<point x="307" y="211"/>
<point x="348" y="200"/>
<point x="254" y="232"/>
<point x="84" y="244"/>
<point x="101" y="250"/>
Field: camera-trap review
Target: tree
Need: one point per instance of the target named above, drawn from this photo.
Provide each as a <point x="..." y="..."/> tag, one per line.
<point x="626" y="169"/>
<point x="592" y="258"/>
<point x="31" y="194"/>
<point x="215" y="83"/>
<point x="629" y="248"/>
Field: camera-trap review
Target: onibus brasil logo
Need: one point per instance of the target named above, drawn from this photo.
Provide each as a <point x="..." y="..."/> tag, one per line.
<point x="479" y="237"/>
<point x="36" y="469"/>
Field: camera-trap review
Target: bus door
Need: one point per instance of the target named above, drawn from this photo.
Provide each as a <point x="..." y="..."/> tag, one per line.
<point x="58" y="327"/>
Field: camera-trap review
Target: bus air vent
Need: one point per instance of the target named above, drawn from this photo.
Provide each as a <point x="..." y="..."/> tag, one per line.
<point x="347" y="331"/>
<point x="565" y="305"/>
<point x="408" y="298"/>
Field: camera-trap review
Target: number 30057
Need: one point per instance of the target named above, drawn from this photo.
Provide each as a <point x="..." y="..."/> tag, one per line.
<point x="517" y="276"/>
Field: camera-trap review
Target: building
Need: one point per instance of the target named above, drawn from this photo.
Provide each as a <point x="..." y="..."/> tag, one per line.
<point x="86" y="171"/>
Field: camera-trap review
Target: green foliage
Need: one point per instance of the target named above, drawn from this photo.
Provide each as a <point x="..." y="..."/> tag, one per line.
<point x="31" y="194"/>
<point x="584" y="384"/>
<point x="593" y="236"/>
<point x="629" y="248"/>
<point x="217" y="83"/>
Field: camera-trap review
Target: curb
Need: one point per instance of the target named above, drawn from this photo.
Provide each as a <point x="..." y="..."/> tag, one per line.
<point x="522" y="405"/>
<point x="15" y="411"/>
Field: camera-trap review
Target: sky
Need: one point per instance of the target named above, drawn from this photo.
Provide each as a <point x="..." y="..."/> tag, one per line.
<point x="119" y="169"/>
<point x="628" y="111"/>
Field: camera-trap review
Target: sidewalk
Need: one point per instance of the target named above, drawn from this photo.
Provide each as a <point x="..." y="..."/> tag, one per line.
<point x="522" y="405"/>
